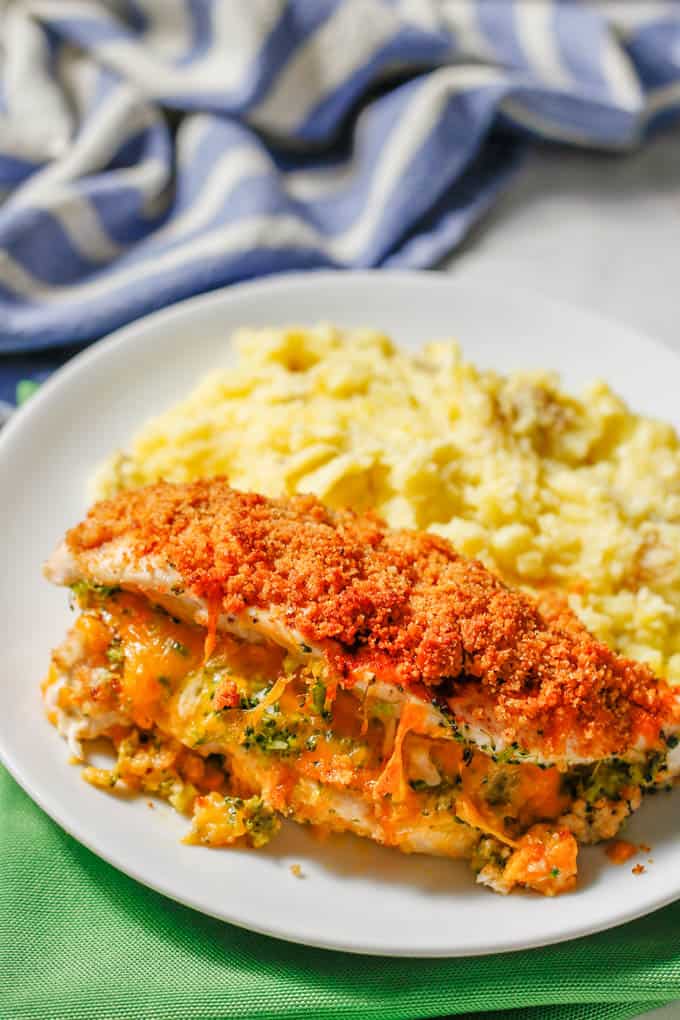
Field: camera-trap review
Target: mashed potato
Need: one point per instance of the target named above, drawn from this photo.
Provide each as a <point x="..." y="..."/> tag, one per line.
<point x="547" y="489"/>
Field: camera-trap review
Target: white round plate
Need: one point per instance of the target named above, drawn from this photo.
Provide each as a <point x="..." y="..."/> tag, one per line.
<point x="354" y="896"/>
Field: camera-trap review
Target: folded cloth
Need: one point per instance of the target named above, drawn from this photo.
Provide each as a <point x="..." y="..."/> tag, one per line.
<point x="79" y="941"/>
<point x="152" y="149"/>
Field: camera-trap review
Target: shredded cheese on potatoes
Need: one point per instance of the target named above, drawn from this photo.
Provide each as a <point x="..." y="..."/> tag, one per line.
<point x="545" y="488"/>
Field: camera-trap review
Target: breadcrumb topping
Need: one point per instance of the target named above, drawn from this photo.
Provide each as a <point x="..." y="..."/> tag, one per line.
<point x="402" y="603"/>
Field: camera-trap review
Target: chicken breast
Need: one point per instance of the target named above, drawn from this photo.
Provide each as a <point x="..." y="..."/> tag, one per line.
<point x="399" y="607"/>
<point x="354" y="677"/>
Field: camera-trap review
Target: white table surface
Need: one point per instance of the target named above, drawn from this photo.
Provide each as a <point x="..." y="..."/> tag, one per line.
<point x="598" y="230"/>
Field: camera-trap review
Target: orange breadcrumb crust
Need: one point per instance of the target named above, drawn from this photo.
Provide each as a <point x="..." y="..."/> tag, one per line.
<point x="402" y="603"/>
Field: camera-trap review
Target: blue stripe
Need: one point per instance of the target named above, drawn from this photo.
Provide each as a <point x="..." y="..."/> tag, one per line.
<point x="14" y="170"/>
<point x="119" y="207"/>
<point x="581" y="51"/>
<point x="496" y="22"/>
<point x="337" y="210"/>
<point x="302" y="17"/>
<point x="655" y="51"/>
<point x="89" y="32"/>
<point x="54" y="260"/>
<point x="152" y="141"/>
<point x="120" y="210"/>
<point x="664" y="120"/>
<point x="54" y="47"/>
<point x="201" y="27"/>
<point x="466" y="116"/>
<point x="136" y="16"/>
<point x="446" y="224"/>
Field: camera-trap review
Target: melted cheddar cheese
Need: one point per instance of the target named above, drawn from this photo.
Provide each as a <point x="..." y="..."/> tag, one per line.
<point x="240" y="734"/>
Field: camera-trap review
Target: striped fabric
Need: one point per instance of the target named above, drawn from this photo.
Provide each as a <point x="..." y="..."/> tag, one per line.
<point x="152" y="149"/>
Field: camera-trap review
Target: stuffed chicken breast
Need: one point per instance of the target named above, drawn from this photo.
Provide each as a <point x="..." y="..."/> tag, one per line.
<point x="253" y="659"/>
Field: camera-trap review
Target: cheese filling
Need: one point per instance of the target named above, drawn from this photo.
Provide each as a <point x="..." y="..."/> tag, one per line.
<point x="240" y="734"/>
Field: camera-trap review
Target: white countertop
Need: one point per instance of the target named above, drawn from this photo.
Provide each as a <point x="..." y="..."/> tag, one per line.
<point x="597" y="230"/>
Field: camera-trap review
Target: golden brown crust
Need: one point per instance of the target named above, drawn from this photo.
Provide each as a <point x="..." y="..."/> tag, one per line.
<point x="401" y="602"/>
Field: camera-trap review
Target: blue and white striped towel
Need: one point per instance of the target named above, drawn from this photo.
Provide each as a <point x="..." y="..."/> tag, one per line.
<point x="151" y="149"/>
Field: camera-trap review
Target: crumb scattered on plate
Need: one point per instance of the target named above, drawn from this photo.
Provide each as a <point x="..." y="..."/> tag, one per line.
<point x="620" y="850"/>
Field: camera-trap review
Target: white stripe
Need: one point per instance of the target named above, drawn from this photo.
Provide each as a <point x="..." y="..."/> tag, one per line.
<point x="539" y="43"/>
<point x="243" y="36"/>
<point x="80" y="9"/>
<point x="193" y="130"/>
<point x="38" y="123"/>
<point x="422" y="13"/>
<point x="461" y="18"/>
<point x="79" y="77"/>
<point x="621" y="78"/>
<point x="14" y="141"/>
<point x="308" y="185"/>
<point x="415" y="124"/>
<point x="339" y="46"/>
<point x="168" y="30"/>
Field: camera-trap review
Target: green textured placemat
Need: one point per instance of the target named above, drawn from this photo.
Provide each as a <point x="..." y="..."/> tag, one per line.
<point x="79" y="940"/>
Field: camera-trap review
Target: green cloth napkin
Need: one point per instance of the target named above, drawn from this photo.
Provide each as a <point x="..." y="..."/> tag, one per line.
<point x="79" y="941"/>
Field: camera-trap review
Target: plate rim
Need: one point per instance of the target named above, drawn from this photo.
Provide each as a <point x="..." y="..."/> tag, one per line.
<point x="155" y="320"/>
